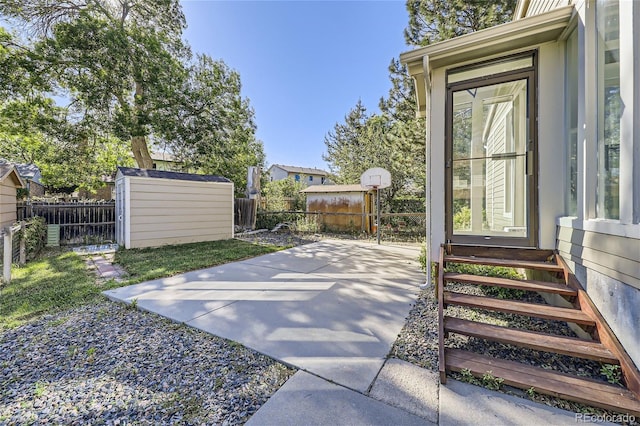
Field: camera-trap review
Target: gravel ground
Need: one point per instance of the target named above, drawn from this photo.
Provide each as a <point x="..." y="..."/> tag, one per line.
<point x="110" y="364"/>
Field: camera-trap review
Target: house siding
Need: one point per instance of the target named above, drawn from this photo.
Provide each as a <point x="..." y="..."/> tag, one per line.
<point x="165" y="211"/>
<point x="536" y="7"/>
<point x="610" y="255"/>
<point x="608" y="267"/>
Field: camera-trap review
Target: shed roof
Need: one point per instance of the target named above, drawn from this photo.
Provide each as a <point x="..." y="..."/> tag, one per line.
<point x="7" y="171"/>
<point x="160" y="174"/>
<point x="304" y="170"/>
<point x="320" y="189"/>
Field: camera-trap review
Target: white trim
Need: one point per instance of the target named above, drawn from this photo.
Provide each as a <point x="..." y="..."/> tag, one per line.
<point x="127" y="212"/>
<point x="232" y="205"/>
<point x="428" y="224"/>
<point x="601" y="226"/>
<point x="501" y="38"/>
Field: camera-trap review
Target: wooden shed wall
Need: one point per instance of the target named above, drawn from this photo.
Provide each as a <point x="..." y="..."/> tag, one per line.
<point x="354" y="203"/>
<point x="7" y="203"/>
<point x="166" y="211"/>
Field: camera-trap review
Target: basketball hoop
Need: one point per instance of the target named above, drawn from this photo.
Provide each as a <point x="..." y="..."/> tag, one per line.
<point x="376" y="178"/>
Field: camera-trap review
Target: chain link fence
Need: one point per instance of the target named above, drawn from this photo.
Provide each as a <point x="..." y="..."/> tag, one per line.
<point x="393" y="226"/>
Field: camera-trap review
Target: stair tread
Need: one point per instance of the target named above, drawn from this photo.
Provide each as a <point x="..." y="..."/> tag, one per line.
<point x="510" y="263"/>
<point x="571" y="346"/>
<point x="528" y="285"/>
<point x="522" y="308"/>
<point x="582" y="390"/>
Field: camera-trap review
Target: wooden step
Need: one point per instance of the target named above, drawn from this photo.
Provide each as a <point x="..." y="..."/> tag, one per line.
<point x="528" y="285"/>
<point x="531" y="339"/>
<point x="507" y="263"/>
<point x="521" y="308"/>
<point x="582" y="390"/>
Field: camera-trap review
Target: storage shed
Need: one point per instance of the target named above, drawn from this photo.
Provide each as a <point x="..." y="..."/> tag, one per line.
<point x="347" y="207"/>
<point x="155" y="208"/>
<point x="10" y="181"/>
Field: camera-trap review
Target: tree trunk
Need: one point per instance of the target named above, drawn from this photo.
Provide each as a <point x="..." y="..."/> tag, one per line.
<point x="139" y="143"/>
<point x="141" y="152"/>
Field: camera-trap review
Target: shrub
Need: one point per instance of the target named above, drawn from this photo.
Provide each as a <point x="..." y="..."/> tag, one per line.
<point x="35" y="235"/>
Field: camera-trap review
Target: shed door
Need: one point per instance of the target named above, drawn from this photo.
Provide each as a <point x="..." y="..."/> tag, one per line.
<point x="491" y="154"/>
<point x="120" y="219"/>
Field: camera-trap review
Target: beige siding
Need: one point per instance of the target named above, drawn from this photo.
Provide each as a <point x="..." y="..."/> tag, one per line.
<point x="610" y="255"/>
<point x="536" y="7"/>
<point x="165" y="211"/>
<point x="7" y="203"/>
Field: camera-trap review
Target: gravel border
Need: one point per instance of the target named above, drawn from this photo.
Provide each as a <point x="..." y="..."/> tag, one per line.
<point x="110" y="364"/>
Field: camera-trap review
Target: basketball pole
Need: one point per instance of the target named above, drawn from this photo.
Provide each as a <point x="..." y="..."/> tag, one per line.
<point x="378" y="213"/>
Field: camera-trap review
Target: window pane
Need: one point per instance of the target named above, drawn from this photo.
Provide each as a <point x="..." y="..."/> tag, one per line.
<point x="609" y="110"/>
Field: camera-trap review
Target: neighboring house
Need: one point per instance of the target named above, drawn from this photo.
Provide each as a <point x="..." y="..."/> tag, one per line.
<point x="347" y="206"/>
<point x="30" y="174"/>
<point x="308" y="176"/>
<point x="164" y="161"/>
<point x="10" y="181"/>
<point x="533" y="140"/>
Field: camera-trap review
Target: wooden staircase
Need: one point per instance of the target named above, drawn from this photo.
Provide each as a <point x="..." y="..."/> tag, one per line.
<point x="602" y="347"/>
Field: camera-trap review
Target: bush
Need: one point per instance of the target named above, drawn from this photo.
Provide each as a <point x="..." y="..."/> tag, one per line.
<point x="35" y="235"/>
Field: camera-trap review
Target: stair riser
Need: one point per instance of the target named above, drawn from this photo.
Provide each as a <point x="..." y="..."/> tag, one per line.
<point x="539" y="388"/>
<point x="568" y="351"/>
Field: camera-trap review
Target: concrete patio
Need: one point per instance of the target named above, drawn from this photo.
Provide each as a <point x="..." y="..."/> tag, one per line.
<point x="332" y="309"/>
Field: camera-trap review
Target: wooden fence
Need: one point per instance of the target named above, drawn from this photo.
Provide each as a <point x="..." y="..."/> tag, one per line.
<point x="245" y="213"/>
<point x="80" y="223"/>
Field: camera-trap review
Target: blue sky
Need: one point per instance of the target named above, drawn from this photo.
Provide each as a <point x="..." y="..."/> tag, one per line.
<point x="303" y="64"/>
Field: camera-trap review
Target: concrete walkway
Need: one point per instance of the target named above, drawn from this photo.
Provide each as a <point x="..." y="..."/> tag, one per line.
<point x="332" y="309"/>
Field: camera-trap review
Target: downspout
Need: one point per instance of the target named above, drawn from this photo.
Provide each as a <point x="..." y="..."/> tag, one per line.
<point x="428" y="165"/>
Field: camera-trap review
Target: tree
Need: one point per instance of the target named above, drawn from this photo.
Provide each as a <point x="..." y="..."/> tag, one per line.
<point x="33" y="129"/>
<point x="362" y="142"/>
<point x="127" y="78"/>
<point x="431" y="21"/>
<point x="115" y="61"/>
<point x="284" y="194"/>
<point x="209" y="125"/>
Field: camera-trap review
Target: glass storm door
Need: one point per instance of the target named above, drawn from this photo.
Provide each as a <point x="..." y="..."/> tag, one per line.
<point x="490" y="157"/>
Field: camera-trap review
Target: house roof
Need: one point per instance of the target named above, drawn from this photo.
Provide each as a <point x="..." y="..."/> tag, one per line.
<point x="28" y="171"/>
<point x="303" y="170"/>
<point x="159" y="174"/>
<point x="320" y="189"/>
<point x="518" y="34"/>
<point x="9" y="171"/>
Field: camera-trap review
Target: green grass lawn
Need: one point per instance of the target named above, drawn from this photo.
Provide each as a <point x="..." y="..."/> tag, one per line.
<point x="59" y="280"/>
<point x="151" y="263"/>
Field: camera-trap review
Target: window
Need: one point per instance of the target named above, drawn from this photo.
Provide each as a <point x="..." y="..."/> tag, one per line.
<point x="310" y="178"/>
<point x="572" y="124"/>
<point x="609" y="109"/>
<point x="322" y="179"/>
<point x="297" y="178"/>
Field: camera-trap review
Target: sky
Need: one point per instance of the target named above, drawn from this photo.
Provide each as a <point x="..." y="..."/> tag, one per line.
<point x="303" y="64"/>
